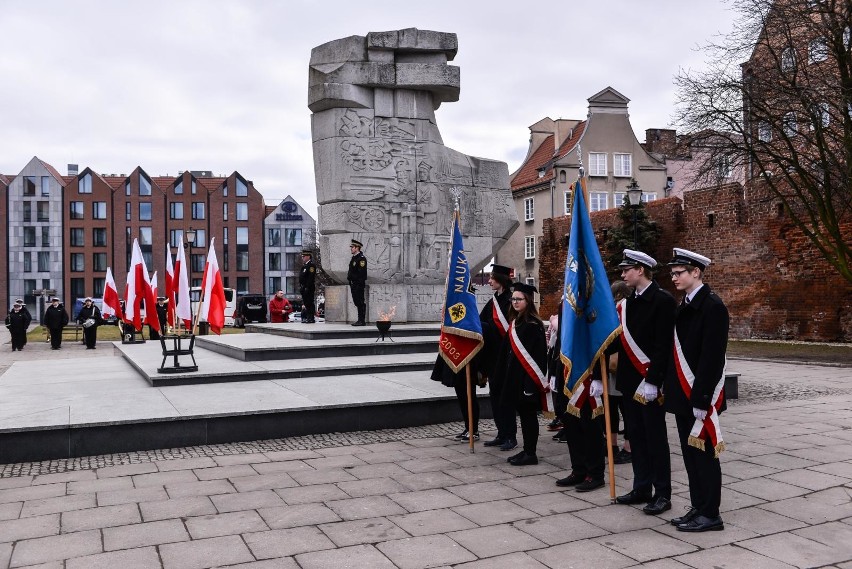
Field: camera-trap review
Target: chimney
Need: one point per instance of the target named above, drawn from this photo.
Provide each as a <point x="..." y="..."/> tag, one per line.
<point x="73" y="169"/>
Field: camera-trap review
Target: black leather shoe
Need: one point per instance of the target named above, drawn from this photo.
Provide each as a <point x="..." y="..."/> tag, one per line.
<point x="515" y="456"/>
<point x="524" y="460"/>
<point x="658" y="506"/>
<point x="571" y="480"/>
<point x="690" y="515"/>
<point x="702" y="523"/>
<point x="590" y="484"/>
<point x="495" y="442"/>
<point x="634" y="497"/>
<point x="559" y="436"/>
<point x="359" y="323"/>
<point x="622" y="457"/>
<point x="509" y="444"/>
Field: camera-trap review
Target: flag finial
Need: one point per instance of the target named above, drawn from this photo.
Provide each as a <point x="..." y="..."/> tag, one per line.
<point x="456" y="192"/>
<point x="580" y="160"/>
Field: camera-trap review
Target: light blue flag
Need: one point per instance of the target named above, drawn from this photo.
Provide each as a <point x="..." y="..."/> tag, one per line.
<point x="589" y="319"/>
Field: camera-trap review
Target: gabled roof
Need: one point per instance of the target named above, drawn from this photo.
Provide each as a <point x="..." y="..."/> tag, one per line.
<point x="5" y="180"/>
<point x="52" y="171"/>
<point x="544" y="157"/>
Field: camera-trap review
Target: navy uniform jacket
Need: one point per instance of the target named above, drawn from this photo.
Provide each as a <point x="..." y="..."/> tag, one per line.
<point x="357" y="274"/>
<point x="487" y="356"/>
<point x="307" y="276"/>
<point x="650" y="319"/>
<point x="702" y="326"/>
<point x="55" y="317"/>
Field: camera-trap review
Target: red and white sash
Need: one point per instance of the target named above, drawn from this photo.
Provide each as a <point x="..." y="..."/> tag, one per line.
<point x="710" y="425"/>
<point x="533" y="371"/>
<point x="579" y="398"/>
<point x="498" y="317"/>
<point x="637" y="357"/>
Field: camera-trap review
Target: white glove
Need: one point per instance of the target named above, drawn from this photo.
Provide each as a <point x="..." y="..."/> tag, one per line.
<point x="552" y="383"/>
<point x="700" y="414"/>
<point x="650" y="392"/>
<point x="596" y="390"/>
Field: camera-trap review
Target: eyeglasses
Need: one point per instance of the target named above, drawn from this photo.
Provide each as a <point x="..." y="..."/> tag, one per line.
<point x="677" y="274"/>
<point x="521" y="299"/>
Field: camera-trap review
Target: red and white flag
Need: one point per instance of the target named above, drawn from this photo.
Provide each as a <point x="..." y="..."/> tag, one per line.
<point x="139" y="289"/>
<point x="111" y="304"/>
<point x="213" y="293"/>
<point x="183" y="306"/>
<point x="170" y="288"/>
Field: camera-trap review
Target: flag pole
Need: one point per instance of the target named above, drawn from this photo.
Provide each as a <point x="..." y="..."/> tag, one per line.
<point x="604" y="380"/>
<point x="469" y="407"/>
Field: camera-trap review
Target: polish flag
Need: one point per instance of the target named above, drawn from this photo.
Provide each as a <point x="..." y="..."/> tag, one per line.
<point x="152" y="311"/>
<point x="170" y="288"/>
<point x="111" y="305"/>
<point x="213" y="293"/>
<point x="139" y="289"/>
<point x="183" y="307"/>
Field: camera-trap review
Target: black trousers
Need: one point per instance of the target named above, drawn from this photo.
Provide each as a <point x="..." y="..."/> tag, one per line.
<point x="649" y="447"/>
<point x="461" y="395"/>
<point x="55" y="337"/>
<point x="504" y="415"/>
<point x="586" y="443"/>
<point x="528" y="412"/>
<point x="19" y="339"/>
<point x="357" y="290"/>
<point x="703" y="470"/>
<point x="90" y="336"/>
<point x="309" y="304"/>
<point x="616" y="403"/>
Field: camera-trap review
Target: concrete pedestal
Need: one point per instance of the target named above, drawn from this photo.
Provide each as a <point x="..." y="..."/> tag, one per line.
<point x="407" y="302"/>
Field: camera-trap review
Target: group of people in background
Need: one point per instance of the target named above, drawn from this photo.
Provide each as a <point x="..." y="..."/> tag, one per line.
<point x="669" y="358"/>
<point x="55" y="319"/>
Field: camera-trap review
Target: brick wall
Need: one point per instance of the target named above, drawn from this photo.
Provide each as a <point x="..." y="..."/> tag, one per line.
<point x="774" y="282"/>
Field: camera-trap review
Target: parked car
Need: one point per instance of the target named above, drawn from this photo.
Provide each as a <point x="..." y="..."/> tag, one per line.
<point x="250" y="308"/>
<point x="230" y="303"/>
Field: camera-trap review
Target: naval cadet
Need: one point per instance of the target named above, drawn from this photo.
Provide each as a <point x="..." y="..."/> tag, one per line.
<point x="307" y="286"/>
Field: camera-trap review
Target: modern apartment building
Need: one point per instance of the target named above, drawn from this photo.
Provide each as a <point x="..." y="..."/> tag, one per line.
<point x="289" y="229"/>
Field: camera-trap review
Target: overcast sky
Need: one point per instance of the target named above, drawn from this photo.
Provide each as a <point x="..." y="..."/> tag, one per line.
<point x="220" y="85"/>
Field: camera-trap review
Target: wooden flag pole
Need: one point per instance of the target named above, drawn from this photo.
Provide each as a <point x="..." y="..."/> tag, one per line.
<point x="197" y="312"/>
<point x="470" y="395"/>
<point x="604" y="380"/>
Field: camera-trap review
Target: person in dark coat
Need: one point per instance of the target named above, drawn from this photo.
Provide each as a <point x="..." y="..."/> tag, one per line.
<point x="694" y="388"/>
<point x="443" y="373"/>
<point x="357" y="277"/>
<point x="17" y="322"/>
<point x="162" y="314"/>
<point x="644" y="350"/>
<point x="520" y="368"/>
<point x="90" y="329"/>
<point x="307" y="286"/>
<point x="495" y="325"/>
<point x="29" y="318"/>
<point x="55" y="319"/>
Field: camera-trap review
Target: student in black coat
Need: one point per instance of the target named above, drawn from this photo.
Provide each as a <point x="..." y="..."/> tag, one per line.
<point x="55" y="319"/>
<point x="694" y="388"/>
<point x="644" y="350"/>
<point x="17" y="322"/>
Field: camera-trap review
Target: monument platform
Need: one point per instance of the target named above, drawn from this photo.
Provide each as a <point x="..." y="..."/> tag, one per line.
<point x="74" y="402"/>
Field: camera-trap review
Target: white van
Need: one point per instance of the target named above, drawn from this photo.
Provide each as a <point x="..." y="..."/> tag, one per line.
<point x="230" y="303"/>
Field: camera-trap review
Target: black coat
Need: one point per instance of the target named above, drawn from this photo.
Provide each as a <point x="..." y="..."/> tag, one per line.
<point x="650" y="319"/>
<point x="55" y="317"/>
<point x="511" y="373"/>
<point x="307" y="276"/>
<point x="17" y="322"/>
<point x="702" y="326"/>
<point x="487" y="357"/>
<point x="357" y="274"/>
<point x="92" y="312"/>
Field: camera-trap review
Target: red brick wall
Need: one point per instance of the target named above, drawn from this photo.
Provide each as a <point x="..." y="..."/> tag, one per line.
<point x="774" y="282"/>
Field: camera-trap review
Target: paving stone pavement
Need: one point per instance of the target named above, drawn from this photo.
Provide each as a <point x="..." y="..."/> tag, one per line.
<point x="413" y="498"/>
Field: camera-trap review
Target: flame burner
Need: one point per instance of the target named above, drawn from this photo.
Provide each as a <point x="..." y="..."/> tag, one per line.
<point x="384" y="330"/>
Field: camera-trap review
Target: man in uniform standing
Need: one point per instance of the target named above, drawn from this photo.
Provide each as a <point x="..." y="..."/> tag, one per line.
<point x="647" y="321"/>
<point x="694" y="389"/>
<point x="357" y="277"/>
<point x="55" y="318"/>
<point x="307" y="287"/>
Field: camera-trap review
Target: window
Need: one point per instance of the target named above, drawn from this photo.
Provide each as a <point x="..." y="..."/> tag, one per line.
<point x="194" y="188"/>
<point x="45" y="236"/>
<point x="99" y="237"/>
<point x="78" y="288"/>
<point x="77" y="237"/>
<point x="179" y="188"/>
<point x="242" y="189"/>
<point x="144" y="211"/>
<point x="195" y="282"/>
<point x="99" y="262"/>
<point x="618" y="199"/>
<point x="529" y="247"/>
<point x="225" y="189"/>
<point x="45" y="186"/>
<point x="176" y="238"/>
<point x="274" y="237"/>
<point x="99" y="210"/>
<point x="75" y="210"/>
<point x="648" y="196"/>
<point x="197" y="262"/>
<point x="789" y="124"/>
<point x="822" y="115"/>
<point x="197" y="210"/>
<point x="29" y="286"/>
<point x="242" y="285"/>
<point x="78" y="262"/>
<point x="225" y="260"/>
<point x="597" y="164"/>
<point x="176" y="210"/>
<point x="847" y="38"/>
<point x="562" y="176"/>
<point x="242" y="249"/>
<point x="567" y="203"/>
<point x="29" y="185"/>
<point x="289" y="285"/>
<point x="764" y="131"/>
<point x="274" y="283"/>
<point x="292" y="261"/>
<point x="225" y="212"/>
<point x="788" y="59"/>
<point x="145" y="238"/>
<point x="29" y="237"/>
<point x="98" y="285"/>
<point x="530" y="281"/>
<point x="127" y="188"/>
<point x="44" y="261"/>
<point x="529" y="209"/>
<point x="27" y="211"/>
<point x="43" y="211"/>
<point x="597" y="201"/>
<point x="28" y="262"/>
<point x="84" y="186"/>
<point x="817" y="50"/>
<point x="200" y="238"/>
<point x="292" y="237"/>
<point x="622" y="165"/>
<point x="724" y="166"/>
<point x="225" y="235"/>
<point x="127" y="214"/>
<point x="242" y="211"/>
<point x="144" y="186"/>
<point x="274" y="261"/>
<point x="242" y="260"/>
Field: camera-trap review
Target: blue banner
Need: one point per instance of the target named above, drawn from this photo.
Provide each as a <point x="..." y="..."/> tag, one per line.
<point x="461" y="329"/>
<point x="589" y="319"/>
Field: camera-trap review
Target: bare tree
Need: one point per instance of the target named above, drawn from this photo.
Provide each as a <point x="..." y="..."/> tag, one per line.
<point x="776" y="98"/>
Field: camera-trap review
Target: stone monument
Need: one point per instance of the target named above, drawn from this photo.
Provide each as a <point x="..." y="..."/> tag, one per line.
<point x="383" y="174"/>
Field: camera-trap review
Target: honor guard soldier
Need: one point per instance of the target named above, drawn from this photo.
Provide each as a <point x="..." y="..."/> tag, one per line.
<point x="357" y="277"/>
<point x="647" y="321"/>
<point x="307" y="278"/>
<point x="694" y="388"/>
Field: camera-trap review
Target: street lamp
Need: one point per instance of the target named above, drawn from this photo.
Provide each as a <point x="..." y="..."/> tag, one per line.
<point x="634" y="199"/>
<point x="190" y="238"/>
